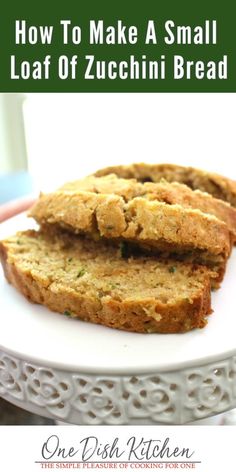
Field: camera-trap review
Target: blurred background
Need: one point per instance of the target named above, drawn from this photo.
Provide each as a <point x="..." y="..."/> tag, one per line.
<point x="46" y="139"/>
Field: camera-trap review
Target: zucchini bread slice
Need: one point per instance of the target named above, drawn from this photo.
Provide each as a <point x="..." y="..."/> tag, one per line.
<point x="154" y="225"/>
<point x="163" y="191"/>
<point x="217" y="185"/>
<point x="93" y="281"/>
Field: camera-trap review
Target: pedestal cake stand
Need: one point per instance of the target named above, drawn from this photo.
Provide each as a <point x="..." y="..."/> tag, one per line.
<point x="81" y="373"/>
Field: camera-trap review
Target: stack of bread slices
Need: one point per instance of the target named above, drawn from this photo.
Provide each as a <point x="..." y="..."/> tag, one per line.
<point x="136" y="247"/>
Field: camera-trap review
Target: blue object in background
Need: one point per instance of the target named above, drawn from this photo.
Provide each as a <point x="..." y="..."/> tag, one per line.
<point x="15" y="185"/>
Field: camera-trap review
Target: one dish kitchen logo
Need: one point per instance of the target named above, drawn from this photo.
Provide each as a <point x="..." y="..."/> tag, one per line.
<point x="133" y="453"/>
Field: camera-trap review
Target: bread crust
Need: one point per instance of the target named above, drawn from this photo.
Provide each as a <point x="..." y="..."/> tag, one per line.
<point x="24" y="267"/>
<point x="143" y="220"/>
<point x="217" y="185"/>
<point x="168" y="192"/>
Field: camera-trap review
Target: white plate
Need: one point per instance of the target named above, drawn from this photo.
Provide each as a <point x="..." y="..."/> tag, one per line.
<point x="32" y="332"/>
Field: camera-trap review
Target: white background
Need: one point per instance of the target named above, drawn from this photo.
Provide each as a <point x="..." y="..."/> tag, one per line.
<point x="20" y="455"/>
<point x="70" y="135"/>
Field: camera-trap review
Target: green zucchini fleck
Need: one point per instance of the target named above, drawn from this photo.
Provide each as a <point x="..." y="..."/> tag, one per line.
<point x="67" y="313"/>
<point x="81" y="272"/>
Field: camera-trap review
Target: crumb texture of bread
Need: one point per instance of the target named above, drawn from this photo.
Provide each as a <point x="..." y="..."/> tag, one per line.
<point x="168" y="192"/>
<point x="136" y="248"/>
<point x="93" y="281"/>
<point x="217" y="185"/>
<point x="114" y="208"/>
